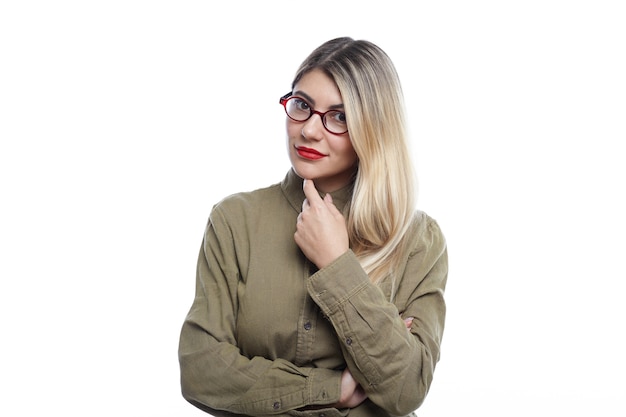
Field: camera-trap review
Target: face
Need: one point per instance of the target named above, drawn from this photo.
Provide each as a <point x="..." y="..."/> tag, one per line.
<point x="315" y="153"/>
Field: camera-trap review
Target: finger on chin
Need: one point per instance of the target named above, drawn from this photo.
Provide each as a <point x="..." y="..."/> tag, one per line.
<point x="308" y="186"/>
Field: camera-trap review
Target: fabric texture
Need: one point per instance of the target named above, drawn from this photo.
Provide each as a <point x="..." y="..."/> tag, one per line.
<point x="269" y="334"/>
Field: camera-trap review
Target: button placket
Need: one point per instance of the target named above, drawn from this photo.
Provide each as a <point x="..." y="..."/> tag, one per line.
<point x="306" y="327"/>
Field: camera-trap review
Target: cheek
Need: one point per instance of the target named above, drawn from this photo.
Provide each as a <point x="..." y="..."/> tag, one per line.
<point x="293" y="129"/>
<point x="346" y="149"/>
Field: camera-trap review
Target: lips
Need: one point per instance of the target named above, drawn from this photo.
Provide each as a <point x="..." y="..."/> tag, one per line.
<point x="309" y="153"/>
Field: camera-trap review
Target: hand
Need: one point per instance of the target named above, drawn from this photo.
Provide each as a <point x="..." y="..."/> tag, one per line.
<point x="321" y="231"/>
<point x="352" y="394"/>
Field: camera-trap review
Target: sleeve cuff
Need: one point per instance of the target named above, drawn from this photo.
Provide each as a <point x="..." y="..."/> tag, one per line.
<point x="347" y="278"/>
<point x="324" y="386"/>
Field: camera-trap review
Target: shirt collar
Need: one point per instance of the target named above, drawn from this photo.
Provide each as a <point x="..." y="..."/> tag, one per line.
<point x="292" y="189"/>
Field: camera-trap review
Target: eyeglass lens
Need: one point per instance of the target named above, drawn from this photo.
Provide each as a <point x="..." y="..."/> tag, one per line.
<point x="333" y="120"/>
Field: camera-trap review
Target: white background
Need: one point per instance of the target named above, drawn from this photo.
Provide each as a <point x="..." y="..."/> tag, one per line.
<point x="123" y="122"/>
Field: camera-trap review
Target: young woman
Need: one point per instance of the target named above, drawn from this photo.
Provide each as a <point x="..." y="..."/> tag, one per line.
<point x="322" y="295"/>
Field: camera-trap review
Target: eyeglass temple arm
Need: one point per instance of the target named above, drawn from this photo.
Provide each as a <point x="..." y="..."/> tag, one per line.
<point x="285" y="97"/>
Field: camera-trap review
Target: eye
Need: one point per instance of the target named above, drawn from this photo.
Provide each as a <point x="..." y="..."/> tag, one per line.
<point x="300" y="104"/>
<point x="338" y="117"/>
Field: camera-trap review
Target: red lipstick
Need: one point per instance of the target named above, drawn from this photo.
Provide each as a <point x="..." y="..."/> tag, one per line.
<point x="308" y="153"/>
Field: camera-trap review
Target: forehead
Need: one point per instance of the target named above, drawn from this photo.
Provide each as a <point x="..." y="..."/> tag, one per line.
<point x="319" y="87"/>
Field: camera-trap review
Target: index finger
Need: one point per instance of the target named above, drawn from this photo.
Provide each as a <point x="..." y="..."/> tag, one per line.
<point x="311" y="192"/>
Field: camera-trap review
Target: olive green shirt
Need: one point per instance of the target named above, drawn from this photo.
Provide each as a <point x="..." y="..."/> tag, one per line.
<point x="269" y="334"/>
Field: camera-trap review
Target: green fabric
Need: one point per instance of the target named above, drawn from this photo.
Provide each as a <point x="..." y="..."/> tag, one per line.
<point x="269" y="334"/>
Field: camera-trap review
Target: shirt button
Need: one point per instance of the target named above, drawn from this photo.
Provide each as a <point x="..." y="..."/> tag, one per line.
<point x="348" y="341"/>
<point x="307" y="325"/>
<point x="276" y="405"/>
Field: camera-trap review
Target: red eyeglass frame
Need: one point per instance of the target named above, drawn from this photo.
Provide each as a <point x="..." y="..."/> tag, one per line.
<point x="284" y="99"/>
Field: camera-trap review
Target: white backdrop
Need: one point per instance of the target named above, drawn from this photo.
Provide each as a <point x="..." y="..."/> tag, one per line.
<point x="120" y="128"/>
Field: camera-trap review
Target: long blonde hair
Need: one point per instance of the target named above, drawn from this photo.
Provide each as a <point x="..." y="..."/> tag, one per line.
<point x="382" y="205"/>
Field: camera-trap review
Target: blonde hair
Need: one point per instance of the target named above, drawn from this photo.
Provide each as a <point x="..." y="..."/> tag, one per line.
<point x="383" y="200"/>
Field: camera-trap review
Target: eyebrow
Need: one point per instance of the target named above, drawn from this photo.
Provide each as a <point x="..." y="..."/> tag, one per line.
<point x="312" y="102"/>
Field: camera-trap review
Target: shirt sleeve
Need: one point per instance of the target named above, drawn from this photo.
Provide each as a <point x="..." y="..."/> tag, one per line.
<point x="395" y="366"/>
<point x="214" y="375"/>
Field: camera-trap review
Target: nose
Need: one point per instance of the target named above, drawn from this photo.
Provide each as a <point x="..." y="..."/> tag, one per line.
<point x="313" y="128"/>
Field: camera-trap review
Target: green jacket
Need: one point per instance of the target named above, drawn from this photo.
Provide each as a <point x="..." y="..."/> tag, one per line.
<point x="269" y="334"/>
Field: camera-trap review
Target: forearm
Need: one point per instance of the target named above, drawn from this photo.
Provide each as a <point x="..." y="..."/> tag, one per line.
<point x="215" y="375"/>
<point x="394" y="366"/>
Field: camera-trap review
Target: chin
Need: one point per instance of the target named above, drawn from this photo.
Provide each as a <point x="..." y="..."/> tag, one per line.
<point x="303" y="173"/>
<point x="304" y="170"/>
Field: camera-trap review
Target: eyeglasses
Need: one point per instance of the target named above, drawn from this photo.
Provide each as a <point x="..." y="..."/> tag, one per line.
<point x="299" y="110"/>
